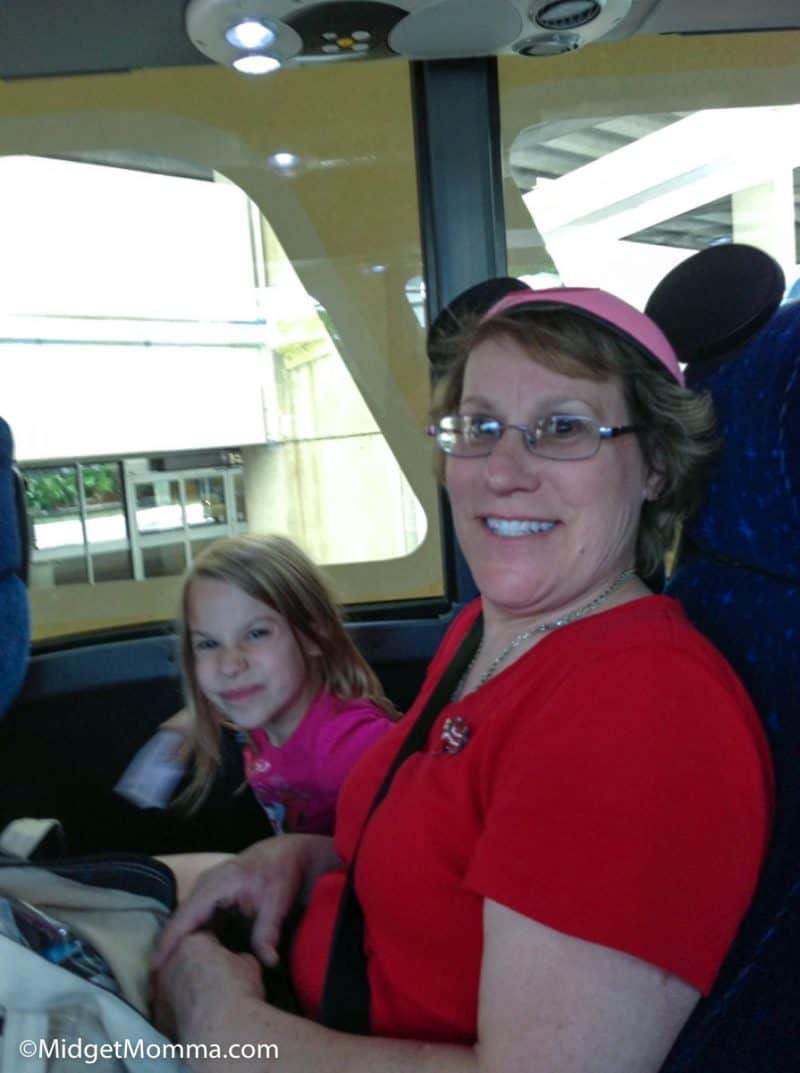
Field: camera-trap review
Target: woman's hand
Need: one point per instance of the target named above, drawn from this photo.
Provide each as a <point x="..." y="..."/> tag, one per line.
<point x="213" y="1001"/>
<point x="262" y="883"/>
<point x="199" y="970"/>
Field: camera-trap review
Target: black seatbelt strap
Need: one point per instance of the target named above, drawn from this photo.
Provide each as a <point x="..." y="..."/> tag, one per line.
<point x="345" y="1001"/>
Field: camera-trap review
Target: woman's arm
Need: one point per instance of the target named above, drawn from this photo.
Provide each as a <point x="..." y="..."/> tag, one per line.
<point x="549" y="1003"/>
<point x="262" y="883"/>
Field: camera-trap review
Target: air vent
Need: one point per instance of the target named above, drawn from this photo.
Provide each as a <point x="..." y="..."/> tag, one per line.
<point x="567" y="14"/>
<point x="547" y="46"/>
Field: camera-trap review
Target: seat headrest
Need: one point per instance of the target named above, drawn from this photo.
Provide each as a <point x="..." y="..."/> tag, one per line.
<point x="718" y="308"/>
<point x="752" y="507"/>
<point x="14" y="614"/>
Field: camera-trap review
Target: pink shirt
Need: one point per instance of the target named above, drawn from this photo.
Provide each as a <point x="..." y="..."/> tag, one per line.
<point x="298" y="782"/>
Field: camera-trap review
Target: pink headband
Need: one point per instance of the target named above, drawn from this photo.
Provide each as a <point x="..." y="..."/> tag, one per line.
<point x="605" y="309"/>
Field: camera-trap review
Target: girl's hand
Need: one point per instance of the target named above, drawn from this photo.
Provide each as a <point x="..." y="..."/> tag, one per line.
<point x="262" y="883"/>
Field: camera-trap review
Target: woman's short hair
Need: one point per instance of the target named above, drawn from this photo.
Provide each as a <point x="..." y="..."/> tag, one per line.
<point x="677" y="426"/>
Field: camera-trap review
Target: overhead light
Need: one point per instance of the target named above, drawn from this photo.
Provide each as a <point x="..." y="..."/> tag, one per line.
<point x="245" y="34"/>
<point x="250" y="34"/>
<point x="256" y="63"/>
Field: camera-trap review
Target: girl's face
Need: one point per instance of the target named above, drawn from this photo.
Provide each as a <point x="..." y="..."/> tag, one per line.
<point x="248" y="662"/>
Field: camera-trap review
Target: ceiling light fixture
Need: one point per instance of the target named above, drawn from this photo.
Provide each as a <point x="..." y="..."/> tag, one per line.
<point x="251" y="34"/>
<point x="254" y="63"/>
<point x="244" y="34"/>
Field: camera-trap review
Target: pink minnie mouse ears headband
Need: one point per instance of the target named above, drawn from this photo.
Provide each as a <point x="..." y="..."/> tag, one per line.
<point x="602" y="308"/>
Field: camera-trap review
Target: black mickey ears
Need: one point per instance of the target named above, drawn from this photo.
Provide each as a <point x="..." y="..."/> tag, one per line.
<point x="474" y="301"/>
<point x="714" y="301"/>
<point x="707" y="306"/>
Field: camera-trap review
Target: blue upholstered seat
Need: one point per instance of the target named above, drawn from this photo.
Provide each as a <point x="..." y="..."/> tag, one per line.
<point x="739" y="580"/>
<point x="14" y="617"/>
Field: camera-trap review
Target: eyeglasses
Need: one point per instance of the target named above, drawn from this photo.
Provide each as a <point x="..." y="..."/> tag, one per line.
<point x="561" y="437"/>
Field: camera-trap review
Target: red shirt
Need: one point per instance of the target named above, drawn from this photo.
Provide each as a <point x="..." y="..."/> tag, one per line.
<point x="615" y="786"/>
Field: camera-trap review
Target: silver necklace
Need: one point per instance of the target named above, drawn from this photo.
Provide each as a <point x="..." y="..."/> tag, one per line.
<point x="546" y="627"/>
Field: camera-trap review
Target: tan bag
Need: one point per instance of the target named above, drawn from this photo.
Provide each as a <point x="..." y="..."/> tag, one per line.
<point x="75" y="938"/>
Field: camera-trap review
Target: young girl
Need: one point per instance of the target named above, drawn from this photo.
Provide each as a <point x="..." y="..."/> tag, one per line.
<point x="265" y="651"/>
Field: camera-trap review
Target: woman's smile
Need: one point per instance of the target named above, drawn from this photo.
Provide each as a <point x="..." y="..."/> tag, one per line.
<point x="518" y="527"/>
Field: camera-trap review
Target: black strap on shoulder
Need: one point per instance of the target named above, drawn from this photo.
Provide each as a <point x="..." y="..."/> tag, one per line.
<point x="345" y="998"/>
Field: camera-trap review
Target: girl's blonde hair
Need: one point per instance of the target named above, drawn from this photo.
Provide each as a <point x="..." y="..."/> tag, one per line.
<point x="273" y="570"/>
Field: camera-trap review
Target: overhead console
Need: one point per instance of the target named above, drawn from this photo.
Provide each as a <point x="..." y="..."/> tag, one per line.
<point x="86" y="37"/>
<point x="248" y="34"/>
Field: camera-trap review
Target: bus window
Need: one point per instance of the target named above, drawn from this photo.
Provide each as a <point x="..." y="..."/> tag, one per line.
<point x="77" y="521"/>
<point x="616" y="180"/>
<point x="234" y="346"/>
